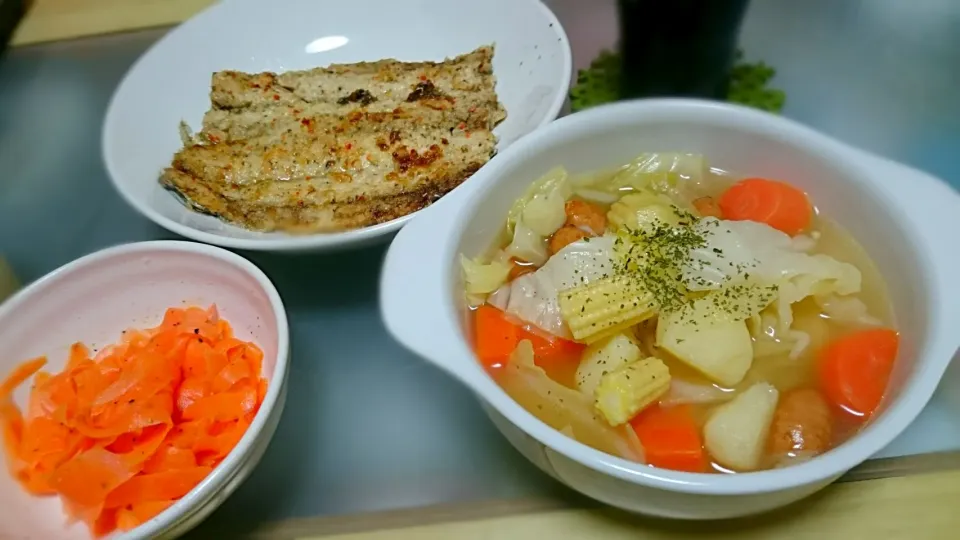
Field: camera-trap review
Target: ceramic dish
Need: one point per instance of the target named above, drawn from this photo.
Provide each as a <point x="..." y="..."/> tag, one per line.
<point x="171" y="82"/>
<point x="96" y="297"/>
<point x="903" y="217"/>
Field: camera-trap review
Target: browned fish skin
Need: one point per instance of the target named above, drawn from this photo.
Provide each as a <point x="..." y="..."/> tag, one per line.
<point x="341" y="147"/>
<point x="390" y="81"/>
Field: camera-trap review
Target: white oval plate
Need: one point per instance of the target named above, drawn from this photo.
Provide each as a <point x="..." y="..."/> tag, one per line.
<point x="171" y="82"/>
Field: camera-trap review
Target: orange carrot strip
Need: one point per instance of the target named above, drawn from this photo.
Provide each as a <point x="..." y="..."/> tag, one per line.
<point x="140" y="424"/>
<point x="11" y="423"/>
<point x="186" y="434"/>
<point x="226" y="332"/>
<point x="223" y="436"/>
<point x="134" y="515"/>
<point x="46" y="443"/>
<point x="20" y="374"/>
<point x="126" y="520"/>
<point x="191" y="390"/>
<point x="855" y="369"/>
<point x="160" y="486"/>
<point x="230" y="347"/>
<point x="105" y="523"/>
<point x="254" y="357"/>
<point x="202" y="360"/>
<point x="670" y="438"/>
<point x="149" y="374"/>
<point x="135" y="449"/>
<point x="169" y="458"/>
<point x="261" y="390"/>
<point x="224" y="406"/>
<point x="89" y="477"/>
<point x="775" y="203"/>
<point x="78" y="354"/>
<point x="235" y="371"/>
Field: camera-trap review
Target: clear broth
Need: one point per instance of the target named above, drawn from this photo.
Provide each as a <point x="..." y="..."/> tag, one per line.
<point x="778" y="370"/>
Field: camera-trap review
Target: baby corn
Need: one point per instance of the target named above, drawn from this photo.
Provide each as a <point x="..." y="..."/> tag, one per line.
<point x="605" y="307"/>
<point x="630" y="388"/>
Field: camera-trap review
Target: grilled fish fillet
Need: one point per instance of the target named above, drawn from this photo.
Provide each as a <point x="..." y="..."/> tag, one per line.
<point x="340" y="147"/>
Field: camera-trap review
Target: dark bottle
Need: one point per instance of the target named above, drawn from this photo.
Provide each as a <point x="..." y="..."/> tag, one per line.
<point x="678" y="47"/>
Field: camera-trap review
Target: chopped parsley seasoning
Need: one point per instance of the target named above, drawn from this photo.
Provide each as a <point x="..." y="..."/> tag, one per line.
<point x="657" y="255"/>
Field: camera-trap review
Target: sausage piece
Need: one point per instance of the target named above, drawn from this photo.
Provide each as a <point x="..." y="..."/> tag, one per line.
<point x="586" y="216"/>
<point x="802" y="422"/>
<point x="565" y="236"/>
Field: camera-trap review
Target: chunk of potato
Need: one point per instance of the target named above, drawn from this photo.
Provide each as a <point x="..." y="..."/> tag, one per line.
<point x="716" y="346"/>
<point x="736" y="433"/>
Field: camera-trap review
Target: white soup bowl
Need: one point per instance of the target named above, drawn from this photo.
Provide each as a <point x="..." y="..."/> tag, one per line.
<point x="906" y="220"/>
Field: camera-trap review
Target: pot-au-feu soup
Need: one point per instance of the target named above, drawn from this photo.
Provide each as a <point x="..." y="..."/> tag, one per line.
<point x="683" y="317"/>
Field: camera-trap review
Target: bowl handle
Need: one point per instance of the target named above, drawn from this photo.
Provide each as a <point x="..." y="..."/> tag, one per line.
<point x="414" y="297"/>
<point x="935" y="208"/>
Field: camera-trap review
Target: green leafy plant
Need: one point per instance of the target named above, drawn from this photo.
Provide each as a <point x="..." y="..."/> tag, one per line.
<point x="600" y="83"/>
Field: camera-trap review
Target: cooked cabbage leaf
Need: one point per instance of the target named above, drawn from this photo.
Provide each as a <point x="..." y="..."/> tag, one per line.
<point x="527" y="245"/>
<point x="733" y="251"/>
<point x="533" y="297"/>
<point x="541" y="207"/>
<point x="745" y="252"/>
<point x="847" y="310"/>
<point x="564" y="408"/>
<point x="737" y="252"/>
<point x="481" y="279"/>
<point x="643" y="210"/>
<point x="667" y="173"/>
<point x="683" y="392"/>
<point x="536" y="215"/>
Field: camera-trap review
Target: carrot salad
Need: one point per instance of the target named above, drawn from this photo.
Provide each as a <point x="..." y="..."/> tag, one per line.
<point x="122" y="435"/>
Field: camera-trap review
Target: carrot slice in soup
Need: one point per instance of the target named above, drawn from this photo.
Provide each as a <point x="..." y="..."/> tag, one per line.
<point x="855" y="369"/>
<point x="775" y="203"/>
<point x="496" y="336"/>
<point x="549" y="349"/>
<point x="670" y="438"/>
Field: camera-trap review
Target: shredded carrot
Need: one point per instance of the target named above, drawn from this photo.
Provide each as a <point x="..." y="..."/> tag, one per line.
<point x="121" y="436"/>
<point x="775" y="203"/>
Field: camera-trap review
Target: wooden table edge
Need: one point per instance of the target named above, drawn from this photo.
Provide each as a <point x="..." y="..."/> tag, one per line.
<point x="57" y="20"/>
<point x="393" y="520"/>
